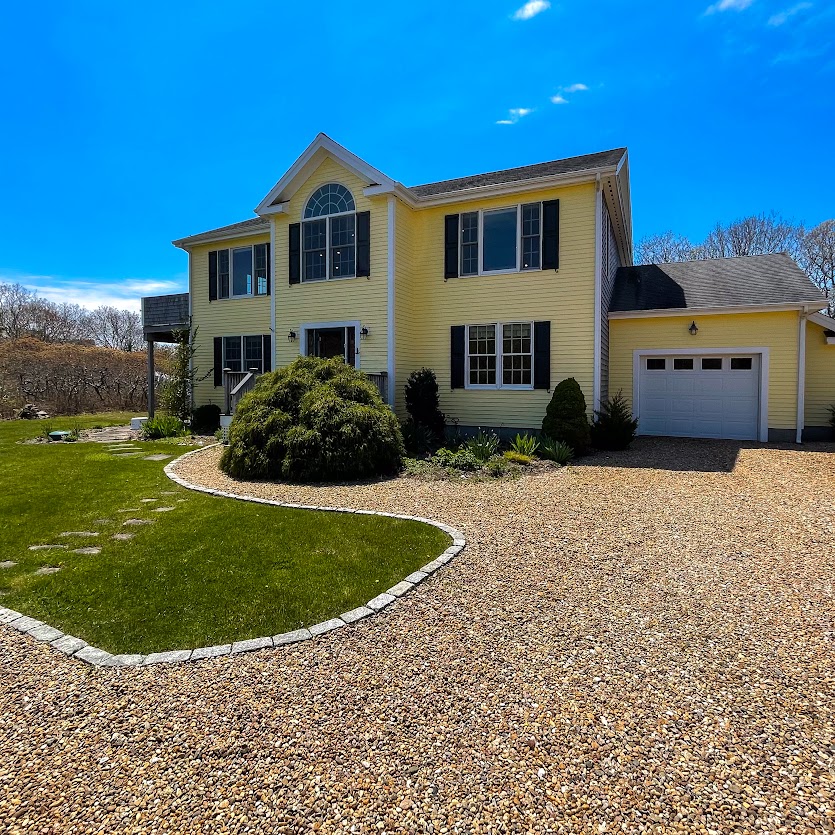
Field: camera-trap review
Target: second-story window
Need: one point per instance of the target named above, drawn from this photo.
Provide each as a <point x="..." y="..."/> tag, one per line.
<point x="500" y="240"/>
<point x="239" y="272"/>
<point x="329" y="234"/>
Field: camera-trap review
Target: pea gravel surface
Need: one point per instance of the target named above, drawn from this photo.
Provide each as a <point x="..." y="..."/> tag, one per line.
<point x="640" y="643"/>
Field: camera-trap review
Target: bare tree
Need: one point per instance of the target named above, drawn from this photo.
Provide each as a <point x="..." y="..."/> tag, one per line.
<point x="664" y="248"/>
<point x="817" y="257"/>
<point x="111" y="327"/>
<point x="755" y="235"/>
<point x="15" y="310"/>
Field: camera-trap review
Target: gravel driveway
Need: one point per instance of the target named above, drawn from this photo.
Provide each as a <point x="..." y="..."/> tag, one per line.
<point x="642" y="643"/>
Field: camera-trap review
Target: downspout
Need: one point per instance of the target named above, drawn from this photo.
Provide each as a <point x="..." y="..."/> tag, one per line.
<point x="598" y="293"/>
<point x="390" y="308"/>
<point x="190" y="332"/>
<point x="801" y="376"/>
<point x="271" y="267"/>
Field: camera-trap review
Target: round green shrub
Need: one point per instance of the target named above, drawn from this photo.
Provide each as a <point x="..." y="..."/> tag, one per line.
<point x="565" y="418"/>
<point x="313" y="420"/>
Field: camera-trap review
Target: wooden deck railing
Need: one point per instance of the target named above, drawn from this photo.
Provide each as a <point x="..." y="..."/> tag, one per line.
<point x="381" y="380"/>
<point x="235" y="385"/>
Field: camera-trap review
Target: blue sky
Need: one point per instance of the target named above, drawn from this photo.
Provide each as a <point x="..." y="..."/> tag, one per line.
<point x="127" y="125"/>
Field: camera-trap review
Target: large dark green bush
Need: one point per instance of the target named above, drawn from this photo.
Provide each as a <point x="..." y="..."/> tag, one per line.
<point x="565" y="418"/>
<point x="423" y="402"/>
<point x="206" y="419"/>
<point x="314" y="420"/>
<point x="614" y="427"/>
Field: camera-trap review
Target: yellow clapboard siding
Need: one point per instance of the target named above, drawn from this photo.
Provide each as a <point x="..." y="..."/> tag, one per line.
<point x="344" y="300"/>
<point x="820" y="376"/>
<point x="776" y="331"/>
<point x="222" y="317"/>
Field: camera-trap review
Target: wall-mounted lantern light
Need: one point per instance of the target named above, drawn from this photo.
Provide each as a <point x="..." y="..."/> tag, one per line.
<point x="291" y="337"/>
<point x="363" y="333"/>
<point x="694" y="329"/>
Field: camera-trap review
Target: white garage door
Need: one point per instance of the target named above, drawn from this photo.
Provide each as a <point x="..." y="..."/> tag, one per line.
<point x="710" y="396"/>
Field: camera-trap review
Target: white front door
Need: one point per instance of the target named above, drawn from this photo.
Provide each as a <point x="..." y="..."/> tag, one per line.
<point x="700" y="396"/>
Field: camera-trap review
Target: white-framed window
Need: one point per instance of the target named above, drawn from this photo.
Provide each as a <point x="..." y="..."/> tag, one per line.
<point x="329" y="248"/>
<point x="505" y="240"/>
<point x="243" y="353"/>
<point x="241" y="271"/>
<point x="499" y="355"/>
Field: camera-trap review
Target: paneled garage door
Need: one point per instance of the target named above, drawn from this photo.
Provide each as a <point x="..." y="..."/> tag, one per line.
<point x="710" y="396"/>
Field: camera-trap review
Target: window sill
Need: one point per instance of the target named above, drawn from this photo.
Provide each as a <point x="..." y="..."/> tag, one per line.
<point x="238" y="298"/>
<point x="329" y="280"/>
<point x="468" y="387"/>
<point x="520" y="271"/>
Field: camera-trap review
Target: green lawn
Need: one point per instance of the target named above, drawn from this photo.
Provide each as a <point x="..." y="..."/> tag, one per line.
<point x="210" y="571"/>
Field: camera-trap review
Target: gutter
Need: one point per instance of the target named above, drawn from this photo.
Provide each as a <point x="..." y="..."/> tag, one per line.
<point x="805" y="307"/>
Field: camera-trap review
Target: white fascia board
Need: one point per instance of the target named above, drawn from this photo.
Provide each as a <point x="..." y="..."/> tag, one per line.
<point x="708" y="311"/>
<point x="397" y="189"/>
<point x="278" y="209"/>
<point x="823" y="320"/>
<point x="322" y="142"/>
<point x="183" y="243"/>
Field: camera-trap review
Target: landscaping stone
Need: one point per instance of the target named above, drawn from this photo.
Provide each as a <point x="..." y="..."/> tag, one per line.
<point x="102" y="521"/>
<point x="159" y="456"/>
<point x="69" y="644"/>
<point x="400" y="589"/>
<point x="94" y="655"/>
<point x="48" y="569"/>
<point x="129" y="660"/>
<point x="162" y="509"/>
<point x="251" y="644"/>
<point x="293" y="637"/>
<point x="356" y="614"/>
<point x="46" y="547"/>
<point x="8" y="564"/>
<point x="137" y="521"/>
<point x="79" y="533"/>
<point x="8" y="615"/>
<point x="149" y="500"/>
<point x="46" y="633"/>
<point x="123" y="536"/>
<point x="416" y="577"/>
<point x="326" y="626"/>
<point x="381" y="601"/>
<point x="130" y="510"/>
<point x="432" y="567"/>
<point x="25" y="623"/>
<point x="171" y="657"/>
<point x="211" y="652"/>
<point x="86" y="550"/>
<point x="126" y="454"/>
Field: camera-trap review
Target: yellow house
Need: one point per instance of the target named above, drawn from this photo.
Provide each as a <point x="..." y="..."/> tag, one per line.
<point x="504" y="283"/>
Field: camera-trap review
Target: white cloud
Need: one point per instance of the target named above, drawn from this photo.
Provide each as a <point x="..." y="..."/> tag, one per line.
<point x="122" y="293"/>
<point x="531" y="9"/>
<point x="516" y="113"/>
<point x="505" y="122"/>
<point x="781" y="17"/>
<point x="574" y="88"/>
<point x="728" y="5"/>
<point x="558" y="99"/>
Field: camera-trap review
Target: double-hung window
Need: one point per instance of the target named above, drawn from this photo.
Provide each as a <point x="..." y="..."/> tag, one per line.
<point x="243" y="353"/>
<point x="329" y="234"/>
<point x="501" y="240"/>
<point x="500" y="355"/>
<point x="240" y="271"/>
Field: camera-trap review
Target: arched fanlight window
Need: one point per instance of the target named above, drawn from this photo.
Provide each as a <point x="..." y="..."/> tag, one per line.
<point x="329" y="199"/>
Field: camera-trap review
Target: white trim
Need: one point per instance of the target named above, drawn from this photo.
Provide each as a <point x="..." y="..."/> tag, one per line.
<point x="181" y="243"/>
<point x="390" y="343"/>
<point x="598" y="297"/>
<point x="707" y="311"/>
<point x="326" y="145"/>
<point x="190" y="331"/>
<point x="241" y="337"/>
<point x="499" y="385"/>
<point x="271" y="274"/>
<point x="822" y="319"/>
<point x="801" y="377"/>
<point x="735" y="351"/>
<point x="309" y="326"/>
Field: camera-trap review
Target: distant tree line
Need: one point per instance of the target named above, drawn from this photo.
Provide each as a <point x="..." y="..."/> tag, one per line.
<point x="813" y="249"/>
<point x="23" y="313"/>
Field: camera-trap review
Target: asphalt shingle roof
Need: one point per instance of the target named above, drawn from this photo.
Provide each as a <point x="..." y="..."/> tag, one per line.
<point x="525" y="172"/>
<point x="716" y="282"/>
<point x="254" y="224"/>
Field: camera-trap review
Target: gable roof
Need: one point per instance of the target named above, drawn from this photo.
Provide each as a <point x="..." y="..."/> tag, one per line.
<point x="253" y="226"/>
<point x="571" y="165"/>
<point x="746" y="281"/>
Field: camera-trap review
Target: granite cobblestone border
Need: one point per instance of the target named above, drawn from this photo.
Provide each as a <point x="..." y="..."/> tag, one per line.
<point x="77" y="648"/>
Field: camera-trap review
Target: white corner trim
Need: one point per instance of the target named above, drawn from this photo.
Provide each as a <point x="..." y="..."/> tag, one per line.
<point x="273" y="285"/>
<point x="801" y="377"/>
<point x="763" y="352"/>
<point x="390" y="308"/>
<point x="598" y="295"/>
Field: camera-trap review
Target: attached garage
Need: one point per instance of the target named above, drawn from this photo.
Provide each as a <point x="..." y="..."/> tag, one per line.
<point x="680" y="348"/>
<point x="703" y="395"/>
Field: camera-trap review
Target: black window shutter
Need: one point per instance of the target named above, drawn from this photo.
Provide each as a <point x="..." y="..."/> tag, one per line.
<point x="542" y="355"/>
<point x="269" y="269"/>
<point x="267" y="352"/>
<point x="451" y="246"/>
<point x="364" y="243"/>
<point x="551" y="235"/>
<point x="213" y="276"/>
<point x="218" y="361"/>
<point x="295" y="250"/>
<point x="456" y="357"/>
